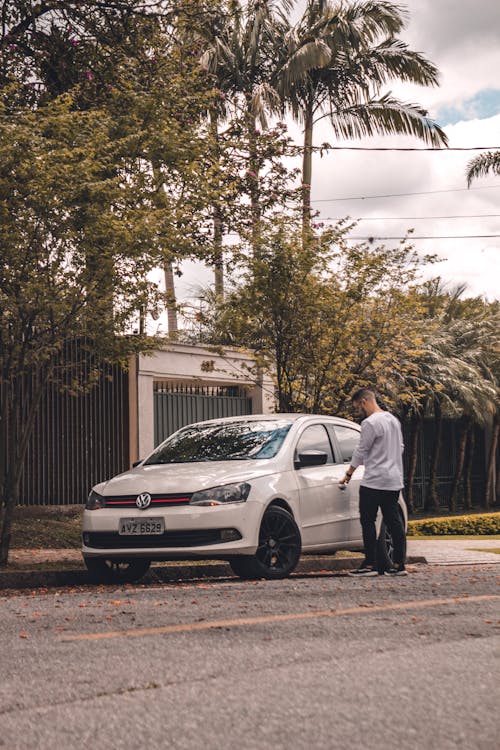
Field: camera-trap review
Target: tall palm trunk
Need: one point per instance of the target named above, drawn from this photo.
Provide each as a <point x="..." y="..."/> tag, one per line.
<point x="253" y="173"/>
<point x="307" y="171"/>
<point x="432" y="498"/>
<point x="471" y="443"/>
<point x="171" y="306"/>
<point x="171" y="301"/>
<point x="217" y="218"/>
<point x="488" y="490"/>
<point x="416" y="430"/>
<point x="459" y="470"/>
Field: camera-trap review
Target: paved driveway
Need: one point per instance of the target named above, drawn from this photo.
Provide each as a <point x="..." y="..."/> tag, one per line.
<point x="449" y="551"/>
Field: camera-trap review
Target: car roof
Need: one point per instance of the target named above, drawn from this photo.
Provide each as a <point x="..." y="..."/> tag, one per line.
<point x="278" y="416"/>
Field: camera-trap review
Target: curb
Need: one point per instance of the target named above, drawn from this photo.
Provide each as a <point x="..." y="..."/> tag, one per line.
<point x="173" y="572"/>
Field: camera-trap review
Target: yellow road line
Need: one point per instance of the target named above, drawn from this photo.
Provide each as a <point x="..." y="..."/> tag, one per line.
<point x="264" y="619"/>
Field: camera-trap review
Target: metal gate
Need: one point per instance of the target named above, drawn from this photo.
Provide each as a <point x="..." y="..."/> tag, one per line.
<point x="77" y="440"/>
<point x="447" y="462"/>
<point x="176" y="405"/>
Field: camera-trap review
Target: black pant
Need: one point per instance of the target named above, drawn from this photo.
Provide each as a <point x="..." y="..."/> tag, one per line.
<point x="369" y="502"/>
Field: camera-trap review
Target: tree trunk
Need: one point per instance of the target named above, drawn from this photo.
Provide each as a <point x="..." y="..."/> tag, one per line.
<point x="217" y="220"/>
<point x="171" y="301"/>
<point x="432" y="498"/>
<point x="307" y="173"/>
<point x="19" y="409"/>
<point x="468" y="470"/>
<point x="416" y="429"/>
<point x="253" y="175"/>
<point x="490" y="470"/>
<point x="464" y="432"/>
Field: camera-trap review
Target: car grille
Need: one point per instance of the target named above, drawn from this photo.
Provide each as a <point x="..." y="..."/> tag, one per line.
<point x="191" y="538"/>
<point x="157" y="501"/>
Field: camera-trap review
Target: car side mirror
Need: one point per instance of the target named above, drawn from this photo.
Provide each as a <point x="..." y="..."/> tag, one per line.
<point x="311" y="458"/>
<point x="136" y="463"/>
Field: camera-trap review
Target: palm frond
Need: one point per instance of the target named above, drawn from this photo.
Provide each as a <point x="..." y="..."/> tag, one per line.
<point x="481" y="165"/>
<point x="386" y="116"/>
<point x="393" y="59"/>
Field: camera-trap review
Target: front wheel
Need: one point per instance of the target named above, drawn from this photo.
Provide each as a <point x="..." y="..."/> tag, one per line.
<point x="116" y="571"/>
<point x="279" y="548"/>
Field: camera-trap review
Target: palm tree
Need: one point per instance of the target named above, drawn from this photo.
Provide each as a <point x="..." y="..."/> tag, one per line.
<point x="240" y="53"/>
<point x="336" y="60"/>
<point x="481" y="165"/>
<point x="451" y="374"/>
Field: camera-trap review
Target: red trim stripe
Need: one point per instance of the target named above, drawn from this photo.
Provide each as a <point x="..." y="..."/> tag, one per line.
<point x="155" y="500"/>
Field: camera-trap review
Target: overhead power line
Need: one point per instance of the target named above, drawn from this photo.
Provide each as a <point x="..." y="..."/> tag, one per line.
<point x="408" y="218"/>
<point x="429" y="237"/>
<point x="396" y="195"/>
<point x="327" y="147"/>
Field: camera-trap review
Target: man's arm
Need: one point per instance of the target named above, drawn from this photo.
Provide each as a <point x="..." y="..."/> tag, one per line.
<point x="363" y="448"/>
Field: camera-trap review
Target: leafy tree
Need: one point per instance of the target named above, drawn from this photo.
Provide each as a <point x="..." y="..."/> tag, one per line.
<point x="82" y="227"/>
<point x="324" y="317"/>
<point x="64" y="208"/>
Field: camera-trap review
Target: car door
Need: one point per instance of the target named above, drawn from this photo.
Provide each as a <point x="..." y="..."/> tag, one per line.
<point x="346" y="439"/>
<point x="324" y="510"/>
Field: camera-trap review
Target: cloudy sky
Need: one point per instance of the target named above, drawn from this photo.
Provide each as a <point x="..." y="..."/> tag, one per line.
<point x="428" y="190"/>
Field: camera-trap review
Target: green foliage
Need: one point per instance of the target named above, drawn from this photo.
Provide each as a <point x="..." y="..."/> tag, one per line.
<point x="325" y="316"/>
<point x="103" y="178"/>
<point x="484" y="524"/>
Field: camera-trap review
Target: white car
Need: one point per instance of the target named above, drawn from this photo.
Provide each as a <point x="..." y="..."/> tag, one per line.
<point x="256" y="491"/>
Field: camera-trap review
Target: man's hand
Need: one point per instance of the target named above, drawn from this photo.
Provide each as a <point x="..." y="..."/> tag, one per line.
<point x="347" y="476"/>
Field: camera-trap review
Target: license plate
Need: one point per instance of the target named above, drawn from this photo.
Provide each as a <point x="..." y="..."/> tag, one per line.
<point x="139" y="526"/>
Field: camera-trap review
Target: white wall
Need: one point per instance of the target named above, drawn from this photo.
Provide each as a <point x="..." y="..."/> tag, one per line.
<point x="183" y="363"/>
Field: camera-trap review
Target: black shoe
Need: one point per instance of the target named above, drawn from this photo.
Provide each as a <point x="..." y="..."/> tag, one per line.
<point x="364" y="571"/>
<point x="397" y="570"/>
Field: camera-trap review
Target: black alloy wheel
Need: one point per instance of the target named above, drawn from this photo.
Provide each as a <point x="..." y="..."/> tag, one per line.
<point x="116" y="571"/>
<point x="279" y="548"/>
<point x="385" y="549"/>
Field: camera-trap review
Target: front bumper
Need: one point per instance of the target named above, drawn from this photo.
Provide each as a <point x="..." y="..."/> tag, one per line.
<point x="190" y="532"/>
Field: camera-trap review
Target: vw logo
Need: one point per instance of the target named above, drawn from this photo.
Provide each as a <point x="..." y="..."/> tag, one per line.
<point x="143" y="500"/>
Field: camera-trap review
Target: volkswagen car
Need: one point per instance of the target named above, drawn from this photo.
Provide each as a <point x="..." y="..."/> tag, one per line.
<point x="257" y="491"/>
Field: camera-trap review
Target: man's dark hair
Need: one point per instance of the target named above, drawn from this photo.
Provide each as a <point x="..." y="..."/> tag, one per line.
<point x="363" y="393"/>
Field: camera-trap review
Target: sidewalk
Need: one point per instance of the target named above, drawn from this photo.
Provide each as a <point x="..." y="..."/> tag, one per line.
<point x="450" y="551"/>
<point x="64" y="567"/>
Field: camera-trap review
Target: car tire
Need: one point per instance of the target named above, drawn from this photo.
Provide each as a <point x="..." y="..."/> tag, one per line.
<point x="279" y="548"/>
<point x="104" y="570"/>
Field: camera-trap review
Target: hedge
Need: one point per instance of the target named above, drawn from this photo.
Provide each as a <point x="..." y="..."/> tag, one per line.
<point x="480" y="524"/>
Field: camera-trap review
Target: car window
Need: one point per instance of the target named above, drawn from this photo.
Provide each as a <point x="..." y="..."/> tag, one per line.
<point x="315" y="438"/>
<point x="348" y="439"/>
<point x="229" y="441"/>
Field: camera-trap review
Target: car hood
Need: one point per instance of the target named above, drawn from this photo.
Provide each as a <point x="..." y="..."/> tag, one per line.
<point x="188" y="478"/>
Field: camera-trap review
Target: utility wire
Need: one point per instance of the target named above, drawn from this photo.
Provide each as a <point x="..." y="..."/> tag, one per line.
<point x="396" y="195"/>
<point x="327" y="147"/>
<point x="407" y="218"/>
<point x="411" y="237"/>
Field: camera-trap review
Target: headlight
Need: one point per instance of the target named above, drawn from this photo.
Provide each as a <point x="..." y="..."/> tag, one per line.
<point x="95" y="501"/>
<point x="228" y="493"/>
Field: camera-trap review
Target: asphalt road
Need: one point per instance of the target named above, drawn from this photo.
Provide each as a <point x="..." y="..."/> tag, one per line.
<point x="321" y="661"/>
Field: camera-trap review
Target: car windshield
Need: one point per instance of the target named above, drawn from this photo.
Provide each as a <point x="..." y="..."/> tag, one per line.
<point x="224" y="441"/>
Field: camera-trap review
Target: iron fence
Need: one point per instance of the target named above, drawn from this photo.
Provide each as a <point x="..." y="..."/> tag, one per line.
<point x="78" y="439"/>
<point x="176" y="405"/>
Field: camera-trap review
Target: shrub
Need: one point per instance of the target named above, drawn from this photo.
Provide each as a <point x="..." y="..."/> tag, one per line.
<point x="480" y="524"/>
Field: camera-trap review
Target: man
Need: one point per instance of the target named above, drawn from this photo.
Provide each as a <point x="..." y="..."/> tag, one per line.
<point x="380" y="449"/>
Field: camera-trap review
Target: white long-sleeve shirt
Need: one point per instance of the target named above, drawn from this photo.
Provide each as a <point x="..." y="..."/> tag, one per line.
<point x="380" y="449"/>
